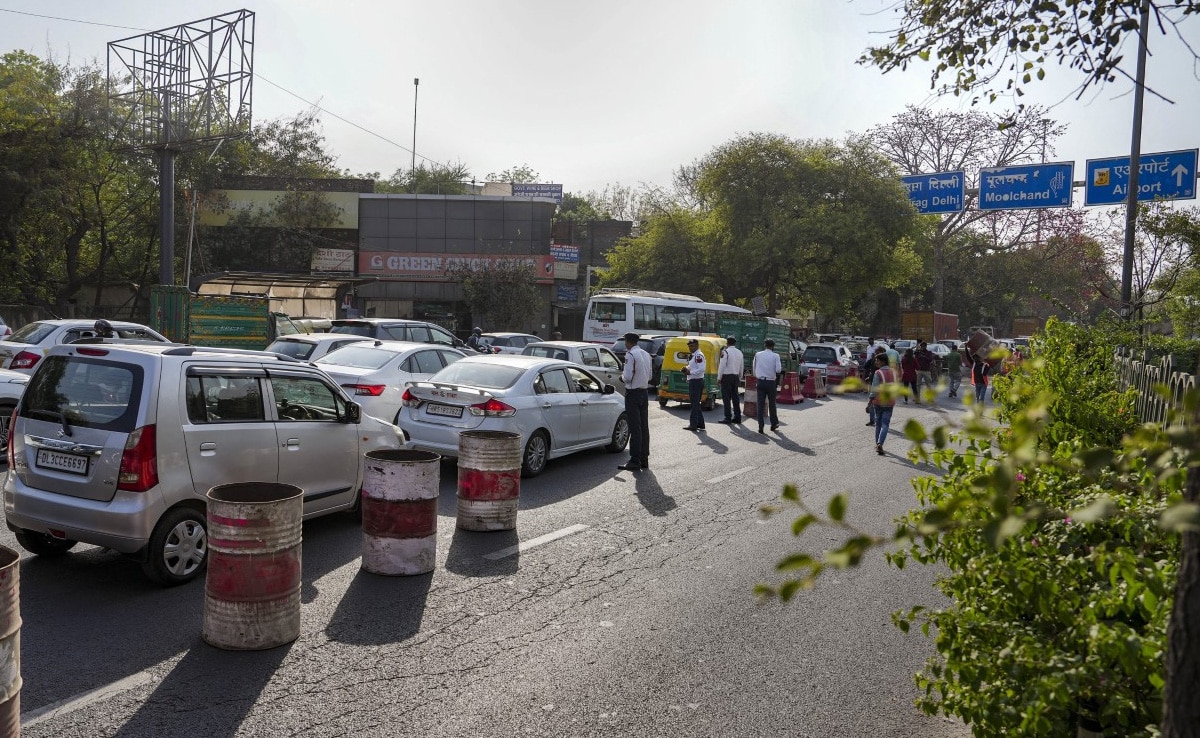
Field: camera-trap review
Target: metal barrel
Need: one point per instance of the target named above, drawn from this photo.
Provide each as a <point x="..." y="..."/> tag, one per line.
<point x="10" y="643"/>
<point x="489" y="480"/>
<point x="399" y="511"/>
<point x="252" y="587"/>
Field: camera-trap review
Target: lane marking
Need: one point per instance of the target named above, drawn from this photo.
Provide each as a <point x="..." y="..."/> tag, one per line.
<point x="827" y="441"/>
<point x="62" y="707"/>
<point x="532" y="542"/>
<point x="730" y="475"/>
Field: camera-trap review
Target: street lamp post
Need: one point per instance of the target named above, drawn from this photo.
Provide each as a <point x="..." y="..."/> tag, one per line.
<point x="1045" y="133"/>
<point x="413" y="170"/>
<point x="1135" y="153"/>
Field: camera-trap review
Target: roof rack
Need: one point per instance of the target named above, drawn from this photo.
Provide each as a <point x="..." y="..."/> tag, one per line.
<point x="645" y="293"/>
<point x="193" y="350"/>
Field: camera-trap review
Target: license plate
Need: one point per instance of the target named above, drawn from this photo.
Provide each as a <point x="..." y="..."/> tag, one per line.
<point x="69" y="463"/>
<point x="449" y="411"/>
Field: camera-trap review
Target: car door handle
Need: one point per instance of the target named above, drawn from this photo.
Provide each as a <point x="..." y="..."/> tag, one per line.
<point x="292" y="444"/>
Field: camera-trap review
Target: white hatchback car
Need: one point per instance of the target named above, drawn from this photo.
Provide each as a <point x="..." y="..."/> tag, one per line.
<point x="509" y="343"/>
<point x="24" y="348"/>
<point x="376" y="372"/>
<point x="556" y="407"/>
<point x="312" y="346"/>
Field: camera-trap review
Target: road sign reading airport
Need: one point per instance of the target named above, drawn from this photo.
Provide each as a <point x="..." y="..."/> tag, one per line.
<point x="943" y="192"/>
<point x="1170" y="175"/>
<point x="1026" y="186"/>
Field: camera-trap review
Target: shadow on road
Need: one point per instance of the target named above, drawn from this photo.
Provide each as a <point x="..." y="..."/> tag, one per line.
<point x="377" y="610"/>
<point x="651" y="494"/>
<point x="468" y="549"/>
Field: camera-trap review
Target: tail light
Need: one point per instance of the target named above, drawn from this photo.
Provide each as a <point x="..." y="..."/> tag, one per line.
<point x="12" y="424"/>
<point x="408" y="399"/>
<point x="139" y="461"/>
<point x="25" y="360"/>
<point x="492" y="409"/>
<point x="370" y="390"/>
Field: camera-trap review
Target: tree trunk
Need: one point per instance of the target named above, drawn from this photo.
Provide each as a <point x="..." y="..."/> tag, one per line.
<point x="1181" y="696"/>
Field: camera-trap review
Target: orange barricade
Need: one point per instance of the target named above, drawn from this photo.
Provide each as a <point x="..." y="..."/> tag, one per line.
<point x="750" y="399"/>
<point x="814" y="385"/>
<point x="789" y="391"/>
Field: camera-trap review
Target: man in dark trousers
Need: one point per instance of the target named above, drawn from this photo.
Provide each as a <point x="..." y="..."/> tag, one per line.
<point x="695" y="376"/>
<point x="767" y="368"/>
<point x="636" y="376"/>
<point x="730" y="371"/>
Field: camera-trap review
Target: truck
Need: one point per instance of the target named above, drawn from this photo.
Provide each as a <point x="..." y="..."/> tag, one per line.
<point x="928" y="325"/>
<point x="219" y="321"/>
<point x="752" y="331"/>
<point x="1026" y="326"/>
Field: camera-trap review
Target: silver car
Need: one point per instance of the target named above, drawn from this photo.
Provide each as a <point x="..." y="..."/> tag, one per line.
<point x="12" y="386"/>
<point x="312" y="346"/>
<point x="599" y="360"/>
<point x="509" y="343"/>
<point x="556" y="407"/>
<point x="116" y="445"/>
<point x="376" y="373"/>
<point x="22" y="351"/>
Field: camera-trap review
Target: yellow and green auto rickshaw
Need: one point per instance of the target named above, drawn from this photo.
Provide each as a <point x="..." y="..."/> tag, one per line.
<point x="673" y="384"/>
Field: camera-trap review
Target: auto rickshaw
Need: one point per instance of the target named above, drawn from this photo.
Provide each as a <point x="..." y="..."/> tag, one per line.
<point x="673" y="383"/>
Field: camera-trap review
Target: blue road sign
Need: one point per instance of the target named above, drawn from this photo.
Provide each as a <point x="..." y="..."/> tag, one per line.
<point x="1167" y="176"/>
<point x="1026" y="186"/>
<point x="943" y="192"/>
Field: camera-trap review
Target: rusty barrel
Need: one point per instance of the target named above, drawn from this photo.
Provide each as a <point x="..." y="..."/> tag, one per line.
<point x="252" y="588"/>
<point x="750" y="400"/>
<point x="489" y="480"/>
<point x="399" y="511"/>
<point x="10" y="643"/>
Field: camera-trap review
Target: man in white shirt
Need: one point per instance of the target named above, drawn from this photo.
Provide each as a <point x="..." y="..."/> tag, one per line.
<point x="767" y="368"/>
<point x="730" y="371"/>
<point x="695" y="375"/>
<point x="636" y="376"/>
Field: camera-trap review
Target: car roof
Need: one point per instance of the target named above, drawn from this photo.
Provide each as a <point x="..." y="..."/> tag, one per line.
<point x="520" y="361"/>
<point x="90" y="322"/>
<point x="377" y="321"/>
<point x="834" y="346"/>
<point x="397" y="347"/>
<point x="157" y="348"/>
<point x="568" y="344"/>
<point x="507" y="333"/>
<point x="321" y="338"/>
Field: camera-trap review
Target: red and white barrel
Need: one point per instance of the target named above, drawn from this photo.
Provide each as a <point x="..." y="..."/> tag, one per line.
<point x="399" y="511"/>
<point x="489" y="480"/>
<point x="10" y="642"/>
<point x="252" y="587"/>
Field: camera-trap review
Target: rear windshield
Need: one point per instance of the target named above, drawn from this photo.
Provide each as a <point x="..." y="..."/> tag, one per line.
<point x="547" y="352"/>
<point x="354" y="329"/>
<point x="87" y="392"/>
<point x="359" y="357"/>
<point x="31" y="333"/>
<point x="296" y="349"/>
<point x="479" y="374"/>
<point x="820" y="355"/>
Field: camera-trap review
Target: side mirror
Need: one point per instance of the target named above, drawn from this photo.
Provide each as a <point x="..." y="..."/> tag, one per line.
<point x="609" y="389"/>
<point x="353" y="413"/>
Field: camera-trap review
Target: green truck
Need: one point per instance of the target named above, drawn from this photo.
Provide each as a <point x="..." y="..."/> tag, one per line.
<point x="752" y="331"/>
<point x="219" y="321"/>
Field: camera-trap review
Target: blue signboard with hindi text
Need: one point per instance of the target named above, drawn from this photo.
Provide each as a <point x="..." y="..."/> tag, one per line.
<point x="1170" y="175"/>
<point x="1046" y="185"/>
<point x="943" y="192"/>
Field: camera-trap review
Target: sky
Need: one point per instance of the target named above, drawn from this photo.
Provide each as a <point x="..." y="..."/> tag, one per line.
<point x="589" y="94"/>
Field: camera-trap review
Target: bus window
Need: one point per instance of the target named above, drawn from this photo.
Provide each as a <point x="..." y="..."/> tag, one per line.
<point x="608" y="312"/>
<point x="684" y="319"/>
<point x="644" y="317"/>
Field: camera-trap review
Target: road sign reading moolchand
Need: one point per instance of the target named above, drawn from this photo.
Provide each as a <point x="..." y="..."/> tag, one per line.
<point x="1026" y="186"/>
<point x="1170" y="175"/>
<point x="943" y="192"/>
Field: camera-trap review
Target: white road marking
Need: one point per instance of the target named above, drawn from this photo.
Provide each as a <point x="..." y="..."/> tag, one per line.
<point x="827" y="441"/>
<point x="526" y="545"/>
<point x="62" y="707"/>
<point x="730" y="475"/>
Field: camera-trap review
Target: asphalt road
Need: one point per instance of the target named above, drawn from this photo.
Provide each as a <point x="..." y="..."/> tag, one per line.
<point x="627" y="610"/>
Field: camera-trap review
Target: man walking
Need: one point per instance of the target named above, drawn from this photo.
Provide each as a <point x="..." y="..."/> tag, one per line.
<point x="954" y="370"/>
<point x="730" y="371"/>
<point x="636" y="376"/>
<point x="767" y="368"/>
<point x="695" y="376"/>
<point x="884" y="375"/>
<point x="925" y="359"/>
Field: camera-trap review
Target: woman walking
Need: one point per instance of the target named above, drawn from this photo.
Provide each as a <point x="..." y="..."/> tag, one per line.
<point x="908" y="375"/>
<point x="979" y="376"/>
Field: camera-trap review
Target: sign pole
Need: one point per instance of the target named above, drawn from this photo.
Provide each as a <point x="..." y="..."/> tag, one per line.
<point x="1135" y="154"/>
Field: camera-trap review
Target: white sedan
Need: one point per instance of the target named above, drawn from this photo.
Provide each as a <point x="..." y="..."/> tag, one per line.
<point x="375" y="373"/>
<point x="312" y="346"/>
<point x="12" y="386"/>
<point x="25" y="347"/>
<point x="509" y="343"/>
<point x="599" y="360"/>
<point x="556" y="407"/>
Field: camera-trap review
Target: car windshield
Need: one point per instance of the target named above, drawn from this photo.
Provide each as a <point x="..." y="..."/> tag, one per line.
<point x="354" y="329"/>
<point x="78" y="391"/>
<point x="479" y="374"/>
<point x="546" y="352"/>
<point x="358" y="357"/>
<point x="820" y="355"/>
<point x="32" y="333"/>
<point x="296" y="349"/>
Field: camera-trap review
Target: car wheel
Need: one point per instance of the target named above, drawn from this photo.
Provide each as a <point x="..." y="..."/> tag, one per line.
<point x="178" y="548"/>
<point x="620" y="435"/>
<point x="537" y="453"/>
<point x="708" y="403"/>
<point x="6" y="409"/>
<point x="42" y="544"/>
<point x="662" y="402"/>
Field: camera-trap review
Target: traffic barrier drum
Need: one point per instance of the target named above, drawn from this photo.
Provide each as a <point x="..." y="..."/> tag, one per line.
<point x="789" y="390"/>
<point x="814" y="385"/>
<point x="399" y="511"/>
<point x="10" y="642"/>
<point x="750" y="400"/>
<point x="252" y="587"/>
<point x="489" y="480"/>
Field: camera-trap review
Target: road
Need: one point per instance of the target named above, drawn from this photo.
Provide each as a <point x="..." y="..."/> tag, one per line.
<point x="620" y="606"/>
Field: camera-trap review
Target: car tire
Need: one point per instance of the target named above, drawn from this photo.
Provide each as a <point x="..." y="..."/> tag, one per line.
<point x="620" y="435"/>
<point x="536" y="454"/>
<point x="43" y="545"/>
<point x="6" y="409"/>
<point x="662" y="402"/>
<point x="708" y="403"/>
<point x="178" y="548"/>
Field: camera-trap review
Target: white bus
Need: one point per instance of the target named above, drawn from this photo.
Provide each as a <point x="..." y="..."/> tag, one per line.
<point x="611" y="313"/>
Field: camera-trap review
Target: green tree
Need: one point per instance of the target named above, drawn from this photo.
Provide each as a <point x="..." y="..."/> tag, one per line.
<point x="522" y="174"/>
<point x="434" y="179"/>
<point x="503" y="296"/>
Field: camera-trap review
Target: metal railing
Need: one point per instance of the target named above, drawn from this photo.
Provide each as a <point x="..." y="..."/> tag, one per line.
<point x="1144" y="374"/>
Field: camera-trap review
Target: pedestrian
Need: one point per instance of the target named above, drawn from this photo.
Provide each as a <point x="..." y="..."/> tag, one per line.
<point x="884" y="402"/>
<point x="908" y="374"/>
<point x="475" y="342"/>
<point x="873" y="363"/>
<point x="925" y="359"/>
<point x="103" y="329"/>
<point x="556" y="336"/>
<point x="954" y="365"/>
<point x="636" y="375"/>
<point x="695" y="376"/>
<point x="980" y="370"/>
<point x="730" y="371"/>
<point x="767" y="368"/>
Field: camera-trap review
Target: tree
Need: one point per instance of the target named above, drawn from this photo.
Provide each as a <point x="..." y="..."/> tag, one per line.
<point x="999" y="47"/>
<point x="522" y="174"/>
<point x="435" y="179"/>
<point x="503" y="295"/>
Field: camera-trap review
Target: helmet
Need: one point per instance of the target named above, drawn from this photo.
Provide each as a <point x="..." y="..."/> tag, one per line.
<point x="477" y="330"/>
<point x="103" y="328"/>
